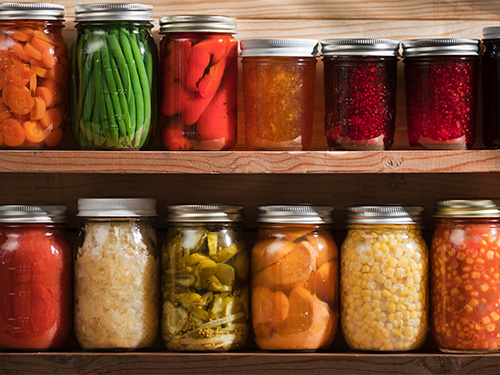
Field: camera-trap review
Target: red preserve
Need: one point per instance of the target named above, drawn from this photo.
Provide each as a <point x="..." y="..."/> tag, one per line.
<point x="35" y="277"/>
<point x="199" y="72"/>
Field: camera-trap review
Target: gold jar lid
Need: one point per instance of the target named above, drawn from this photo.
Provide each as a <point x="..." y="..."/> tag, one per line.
<point x="472" y="208"/>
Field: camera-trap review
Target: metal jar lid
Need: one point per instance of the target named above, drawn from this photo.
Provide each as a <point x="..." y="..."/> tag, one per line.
<point x="279" y="47"/>
<point x="200" y="213"/>
<point x="114" y="12"/>
<point x="384" y="214"/>
<point x="198" y="23"/>
<point x="471" y="208"/>
<point x="295" y="214"/>
<point x="491" y="32"/>
<point x="441" y="47"/>
<point x="22" y="213"/>
<point x="116" y="207"/>
<point x="32" y="11"/>
<point x="360" y="47"/>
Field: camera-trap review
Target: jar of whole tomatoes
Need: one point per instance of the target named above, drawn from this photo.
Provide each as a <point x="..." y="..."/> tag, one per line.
<point x="490" y="65"/>
<point x="204" y="279"/>
<point x="35" y="277"/>
<point x="279" y="78"/>
<point x="384" y="269"/>
<point x="116" y="274"/>
<point x="199" y="76"/>
<point x="360" y="93"/>
<point x="294" y="291"/>
<point x="441" y="77"/>
<point x="34" y="77"/>
<point x="465" y="262"/>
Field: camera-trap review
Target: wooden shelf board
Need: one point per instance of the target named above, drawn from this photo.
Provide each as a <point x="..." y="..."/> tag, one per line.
<point x="249" y="162"/>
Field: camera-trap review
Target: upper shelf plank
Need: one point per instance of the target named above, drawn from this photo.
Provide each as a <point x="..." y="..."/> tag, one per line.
<point x="249" y="162"/>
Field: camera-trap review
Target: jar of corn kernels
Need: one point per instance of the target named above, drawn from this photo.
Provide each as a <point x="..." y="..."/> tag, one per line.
<point x="384" y="262"/>
<point x="465" y="262"/>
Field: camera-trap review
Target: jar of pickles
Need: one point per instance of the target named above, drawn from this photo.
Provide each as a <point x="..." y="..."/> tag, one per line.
<point x="384" y="279"/>
<point x="278" y="90"/>
<point x="199" y="76"/>
<point x="204" y="279"/>
<point x="116" y="274"/>
<point x="441" y="77"/>
<point x="114" y="59"/>
<point x="294" y="265"/>
<point x="360" y="78"/>
<point x="35" y="277"/>
<point x="465" y="260"/>
<point x="34" y="76"/>
<point x="491" y="86"/>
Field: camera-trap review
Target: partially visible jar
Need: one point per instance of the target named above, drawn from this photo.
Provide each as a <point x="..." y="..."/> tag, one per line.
<point x="360" y="77"/>
<point x="204" y="279"/>
<point x="279" y="77"/>
<point x="384" y="270"/>
<point x="35" y="277"/>
<point x="34" y="76"/>
<point x="294" y="265"/>
<point x="441" y="77"/>
<point x="114" y="77"/>
<point x="465" y="262"/>
<point x="116" y="274"/>
<point x="199" y="77"/>
<point x="491" y="86"/>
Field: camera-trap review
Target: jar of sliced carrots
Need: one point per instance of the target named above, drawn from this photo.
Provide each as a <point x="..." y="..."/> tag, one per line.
<point x="294" y="291"/>
<point x="33" y="75"/>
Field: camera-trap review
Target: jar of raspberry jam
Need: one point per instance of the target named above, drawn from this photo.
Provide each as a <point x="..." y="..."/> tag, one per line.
<point x="465" y="277"/>
<point x="491" y="86"/>
<point x="441" y="77"/>
<point x="360" y="78"/>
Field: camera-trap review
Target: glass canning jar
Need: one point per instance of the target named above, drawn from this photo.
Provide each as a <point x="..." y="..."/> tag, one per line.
<point x="34" y="77"/>
<point x="360" y="77"/>
<point x="114" y="78"/>
<point x="199" y="76"/>
<point x="491" y="86"/>
<point x="465" y="263"/>
<point x="204" y="279"/>
<point x="116" y="274"/>
<point x="278" y="90"/>
<point x="294" y="291"/>
<point x="441" y="77"/>
<point x="35" y="277"/>
<point x="384" y="268"/>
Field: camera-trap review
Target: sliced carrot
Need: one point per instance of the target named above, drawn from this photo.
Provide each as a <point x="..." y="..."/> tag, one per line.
<point x="18" y="99"/>
<point x="13" y="132"/>
<point x="33" y="84"/>
<point x="4" y="112"/>
<point x="32" y="51"/>
<point x="27" y="30"/>
<point x="18" y="50"/>
<point x="59" y="73"/>
<point x="47" y="37"/>
<point x="41" y="44"/>
<point x="52" y="118"/>
<point x="54" y="89"/>
<point x="54" y="138"/>
<point x="46" y="94"/>
<point x="38" y="110"/>
<point x="34" y="132"/>
<point x="48" y="58"/>
<point x="20" y="35"/>
<point x="18" y="75"/>
<point x="41" y="72"/>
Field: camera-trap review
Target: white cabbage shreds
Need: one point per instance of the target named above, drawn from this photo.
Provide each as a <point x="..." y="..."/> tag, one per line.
<point x="116" y="286"/>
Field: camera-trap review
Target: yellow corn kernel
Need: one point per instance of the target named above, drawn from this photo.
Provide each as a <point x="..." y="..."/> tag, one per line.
<point x="494" y="316"/>
<point x="391" y="307"/>
<point x="408" y="331"/>
<point x="380" y="278"/>
<point x="387" y="284"/>
<point x="474" y="302"/>
<point x="403" y="261"/>
<point x="475" y="275"/>
<point x="377" y="294"/>
<point x="365" y="269"/>
<point x="490" y="327"/>
<point x="469" y="260"/>
<point x="409" y="282"/>
<point x="376" y="246"/>
<point x="385" y="249"/>
<point x="468" y="308"/>
<point x="486" y="320"/>
<point x="484" y="287"/>
<point x="389" y="272"/>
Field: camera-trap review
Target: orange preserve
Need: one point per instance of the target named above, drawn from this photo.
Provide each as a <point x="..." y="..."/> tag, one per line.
<point x="278" y="92"/>
<point x="294" y="287"/>
<point x="34" y="75"/>
<point x="465" y="259"/>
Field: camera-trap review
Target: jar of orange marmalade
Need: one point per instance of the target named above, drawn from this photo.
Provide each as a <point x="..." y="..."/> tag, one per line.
<point x="34" y="75"/>
<point x="278" y="92"/>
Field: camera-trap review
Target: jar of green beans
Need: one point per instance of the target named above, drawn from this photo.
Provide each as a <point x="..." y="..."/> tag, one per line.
<point x="114" y="63"/>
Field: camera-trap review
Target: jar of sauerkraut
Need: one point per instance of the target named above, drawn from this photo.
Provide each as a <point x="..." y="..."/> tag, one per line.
<point x="116" y="274"/>
<point x="384" y="269"/>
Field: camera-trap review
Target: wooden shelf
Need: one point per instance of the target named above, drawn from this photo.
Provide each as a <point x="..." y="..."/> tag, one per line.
<point x="249" y="162"/>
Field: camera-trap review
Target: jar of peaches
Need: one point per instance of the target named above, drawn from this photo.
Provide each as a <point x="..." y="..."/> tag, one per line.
<point x="294" y="291"/>
<point x="465" y="262"/>
<point x="384" y="278"/>
<point x="34" y="75"/>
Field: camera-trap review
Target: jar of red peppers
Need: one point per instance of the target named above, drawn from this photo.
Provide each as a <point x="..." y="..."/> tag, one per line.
<point x="278" y="89"/>
<point x="34" y="76"/>
<point x="491" y="86"/>
<point x="360" y="78"/>
<point x="441" y="77"/>
<point x="199" y="73"/>
<point x="35" y="277"/>
<point x="465" y="278"/>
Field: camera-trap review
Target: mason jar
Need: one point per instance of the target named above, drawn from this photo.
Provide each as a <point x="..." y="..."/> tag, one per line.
<point x="204" y="279"/>
<point x="116" y="274"/>
<point x="294" y="265"/>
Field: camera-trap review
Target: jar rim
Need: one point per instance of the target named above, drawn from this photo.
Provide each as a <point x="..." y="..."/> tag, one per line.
<point x="384" y="214"/>
<point x="32" y="11"/>
<point x="29" y="214"/>
<point x="116" y="207"/>
<point x="467" y="208"/>
<point x="199" y="213"/>
<point x="294" y="214"/>
<point x="114" y="12"/>
<point x="292" y="47"/>
<point x="440" y="47"/>
<point x="199" y="23"/>
<point x="360" y="47"/>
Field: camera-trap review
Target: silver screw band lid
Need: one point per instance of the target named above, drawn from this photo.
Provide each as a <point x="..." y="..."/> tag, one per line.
<point x="440" y="47"/>
<point x="384" y="214"/>
<point x="360" y="47"/>
<point x="198" y="23"/>
<point x="116" y="207"/>
<point x="32" y="11"/>
<point x="32" y="214"/>
<point x="200" y="213"/>
<point x="295" y="214"/>
<point x="114" y="12"/>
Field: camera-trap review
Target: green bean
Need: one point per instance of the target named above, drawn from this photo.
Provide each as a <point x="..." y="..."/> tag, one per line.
<point x="102" y="121"/>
